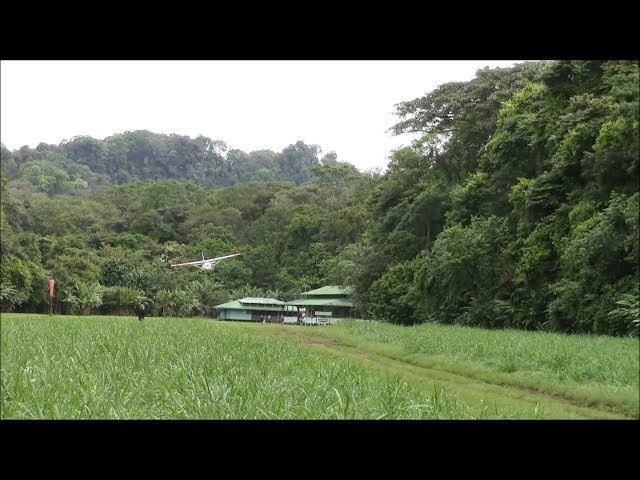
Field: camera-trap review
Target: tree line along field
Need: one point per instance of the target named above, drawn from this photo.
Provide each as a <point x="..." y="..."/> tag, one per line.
<point x="516" y="206"/>
<point x="101" y="367"/>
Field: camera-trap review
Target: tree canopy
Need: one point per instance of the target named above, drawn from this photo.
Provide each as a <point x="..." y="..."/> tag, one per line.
<point x="516" y="206"/>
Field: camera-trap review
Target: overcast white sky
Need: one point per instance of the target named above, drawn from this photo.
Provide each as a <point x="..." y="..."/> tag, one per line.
<point x="345" y="106"/>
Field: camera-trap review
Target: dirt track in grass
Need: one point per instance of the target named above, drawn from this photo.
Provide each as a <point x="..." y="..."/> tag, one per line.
<point x="468" y="388"/>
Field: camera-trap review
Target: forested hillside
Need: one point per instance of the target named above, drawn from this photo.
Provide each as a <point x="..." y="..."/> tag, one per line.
<point x="84" y="164"/>
<point x="517" y="206"/>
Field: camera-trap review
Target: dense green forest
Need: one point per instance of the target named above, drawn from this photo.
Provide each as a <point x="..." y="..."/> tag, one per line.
<point x="516" y="206"/>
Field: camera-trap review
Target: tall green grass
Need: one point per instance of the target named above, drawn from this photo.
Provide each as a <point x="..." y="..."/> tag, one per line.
<point x="573" y="358"/>
<point x="118" y="368"/>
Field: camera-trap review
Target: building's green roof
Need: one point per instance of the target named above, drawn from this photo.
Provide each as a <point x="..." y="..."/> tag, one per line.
<point x="243" y="303"/>
<point x="321" y="302"/>
<point x="236" y="305"/>
<point x="261" y="301"/>
<point x="329" y="290"/>
<point x="232" y="305"/>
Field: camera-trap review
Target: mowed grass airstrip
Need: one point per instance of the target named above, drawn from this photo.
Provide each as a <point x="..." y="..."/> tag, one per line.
<point x="65" y="367"/>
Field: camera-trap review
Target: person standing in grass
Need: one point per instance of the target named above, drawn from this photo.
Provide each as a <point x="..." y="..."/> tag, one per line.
<point x="141" y="311"/>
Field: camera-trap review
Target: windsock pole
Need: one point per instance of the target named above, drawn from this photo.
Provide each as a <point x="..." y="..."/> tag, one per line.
<point x="52" y="284"/>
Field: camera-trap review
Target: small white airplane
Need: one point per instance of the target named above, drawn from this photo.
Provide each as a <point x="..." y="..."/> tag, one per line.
<point x="204" y="264"/>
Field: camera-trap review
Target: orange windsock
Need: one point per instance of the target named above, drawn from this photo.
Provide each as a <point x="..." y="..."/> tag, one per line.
<point x="52" y="283"/>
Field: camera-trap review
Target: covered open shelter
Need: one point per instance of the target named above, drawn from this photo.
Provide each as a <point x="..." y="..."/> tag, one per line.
<point x="324" y="305"/>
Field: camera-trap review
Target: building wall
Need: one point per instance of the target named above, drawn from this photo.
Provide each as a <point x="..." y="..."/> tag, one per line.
<point x="249" y="315"/>
<point x="235" y="315"/>
<point x="336" y="312"/>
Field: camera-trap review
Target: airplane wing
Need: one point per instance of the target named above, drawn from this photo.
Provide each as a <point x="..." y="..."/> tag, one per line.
<point x="209" y="263"/>
<point x="199" y="262"/>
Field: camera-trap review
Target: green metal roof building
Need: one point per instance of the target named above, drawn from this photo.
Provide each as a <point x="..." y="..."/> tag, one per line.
<point x="322" y="305"/>
<point x="251" y="308"/>
<point x="328" y="302"/>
